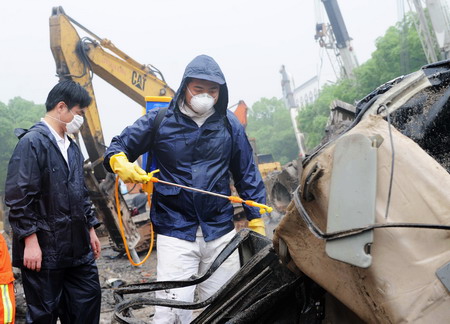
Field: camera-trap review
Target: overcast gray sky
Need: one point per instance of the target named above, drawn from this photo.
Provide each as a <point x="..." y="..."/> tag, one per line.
<point x="249" y="39"/>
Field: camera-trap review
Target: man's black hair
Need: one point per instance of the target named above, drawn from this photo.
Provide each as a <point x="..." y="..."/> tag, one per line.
<point x="70" y="92"/>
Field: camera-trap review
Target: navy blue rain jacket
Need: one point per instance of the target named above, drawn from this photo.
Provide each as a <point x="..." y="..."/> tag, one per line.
<point x="201" y="157"/>
<point x="47" y="198"/>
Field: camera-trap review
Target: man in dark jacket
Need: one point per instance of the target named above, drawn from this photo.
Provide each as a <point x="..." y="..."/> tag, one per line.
<point x="54" y="241"/>
<point x="198" y="144"/>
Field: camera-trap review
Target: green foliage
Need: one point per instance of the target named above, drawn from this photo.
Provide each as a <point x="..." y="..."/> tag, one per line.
<point x="19" y="113"/>
<point x="398" y="52"/>
<point x="269" y="122"/>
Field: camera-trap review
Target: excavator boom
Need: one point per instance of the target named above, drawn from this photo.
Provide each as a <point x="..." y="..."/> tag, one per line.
<point x="78" y="59"/>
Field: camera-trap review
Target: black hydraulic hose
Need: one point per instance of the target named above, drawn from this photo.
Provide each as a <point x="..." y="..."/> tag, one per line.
<point x="362" y="112"/>
<point x="80" y="50"/>
<point x="155" y="70"/>
<point x="262" y="258"/>
<point x="126" y="305"/>
<point x="237" y="240"/>
<point x="82" y="27"/>
<point x="353" y="231"/>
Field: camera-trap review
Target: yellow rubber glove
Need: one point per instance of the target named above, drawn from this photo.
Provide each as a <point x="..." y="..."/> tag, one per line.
<point x="257" y="225"/>
<point x="148" y="187"/>
<point x="127" y="171"/>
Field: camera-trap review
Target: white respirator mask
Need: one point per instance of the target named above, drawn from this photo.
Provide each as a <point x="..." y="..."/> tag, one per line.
<point x="73" y="126"/>
<point x="201" y="103"/>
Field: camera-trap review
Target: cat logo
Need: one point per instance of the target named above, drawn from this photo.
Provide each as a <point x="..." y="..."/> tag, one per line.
<point x="138" y="80"/>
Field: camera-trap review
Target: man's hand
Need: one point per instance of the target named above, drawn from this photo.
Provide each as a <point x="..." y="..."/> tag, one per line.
<point x="95" y="243"/>
<point x="32" y="255"/>
<point x="127" y="171"/>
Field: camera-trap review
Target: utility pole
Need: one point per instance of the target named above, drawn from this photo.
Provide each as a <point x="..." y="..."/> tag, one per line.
<point x="289" y="101"/>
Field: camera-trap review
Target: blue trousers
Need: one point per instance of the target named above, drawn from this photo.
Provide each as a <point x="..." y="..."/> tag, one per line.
<point x="71" y="294"/>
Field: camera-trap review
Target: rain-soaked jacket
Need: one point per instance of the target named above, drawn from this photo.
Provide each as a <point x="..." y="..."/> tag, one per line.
<point x="200" y="157"/>
<point x="50" y="199"/>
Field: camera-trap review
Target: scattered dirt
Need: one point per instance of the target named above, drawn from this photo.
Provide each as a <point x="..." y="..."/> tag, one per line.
<point x="113" y="265"/>
<point x="114" y="270"/>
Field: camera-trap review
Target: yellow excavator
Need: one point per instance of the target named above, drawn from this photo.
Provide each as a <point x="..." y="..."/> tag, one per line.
<point x="78" y="59"/>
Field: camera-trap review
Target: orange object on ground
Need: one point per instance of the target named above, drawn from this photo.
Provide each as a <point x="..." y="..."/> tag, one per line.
<point x="7" y="298"/>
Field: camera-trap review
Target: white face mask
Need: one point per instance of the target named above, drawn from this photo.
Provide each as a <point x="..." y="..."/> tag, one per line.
<point x="201" y="103"/>
<point x="73" y="126"/>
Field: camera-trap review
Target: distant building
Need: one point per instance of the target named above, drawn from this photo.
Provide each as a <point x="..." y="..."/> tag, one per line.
<point x="307" y="92"/>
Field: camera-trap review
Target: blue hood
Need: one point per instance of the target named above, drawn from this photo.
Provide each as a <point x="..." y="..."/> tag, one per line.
<point x="204" y="67"/>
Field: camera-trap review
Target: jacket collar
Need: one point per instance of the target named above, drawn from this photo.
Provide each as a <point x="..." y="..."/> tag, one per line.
<point x="41" y="128"/>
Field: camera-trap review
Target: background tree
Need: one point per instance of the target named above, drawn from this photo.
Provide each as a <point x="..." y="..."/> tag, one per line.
<point x="398" y="52"/>
<point x="269" y="122"/>
<point x="19" y="113"/>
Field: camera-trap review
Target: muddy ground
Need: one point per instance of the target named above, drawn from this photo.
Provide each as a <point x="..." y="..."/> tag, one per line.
<point x="115" y="270"/>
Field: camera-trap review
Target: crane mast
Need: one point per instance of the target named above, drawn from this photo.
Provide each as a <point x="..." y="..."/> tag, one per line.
<point x="440" y="20"/>
<point x="434" y="37"/>
<point x="426" y="34"/>
<point x="334" y="37"/>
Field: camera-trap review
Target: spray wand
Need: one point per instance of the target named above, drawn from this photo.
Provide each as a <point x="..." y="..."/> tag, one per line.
<point x="234" y="199"/>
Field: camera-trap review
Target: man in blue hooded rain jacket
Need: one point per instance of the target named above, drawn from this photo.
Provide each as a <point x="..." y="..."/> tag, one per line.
<point x="198" y="144"/>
